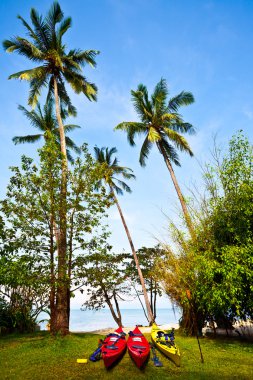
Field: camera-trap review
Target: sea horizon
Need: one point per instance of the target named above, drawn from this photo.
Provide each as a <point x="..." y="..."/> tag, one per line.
<point x="91" y="320"/>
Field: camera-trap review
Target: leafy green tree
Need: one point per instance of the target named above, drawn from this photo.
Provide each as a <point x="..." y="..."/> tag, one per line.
<point x="162" y="125"/>
<point x="33" y="201"/>
<point x="105" y="281"/>
<point x="56" y="67"/>
<point x="104" y="156"/>
<point x="216" y="268"/>
<point x="148" y="258"/>
<point x="45" y="122"/>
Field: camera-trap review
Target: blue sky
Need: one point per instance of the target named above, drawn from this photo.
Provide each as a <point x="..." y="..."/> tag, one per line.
<point x="200" y="46"/>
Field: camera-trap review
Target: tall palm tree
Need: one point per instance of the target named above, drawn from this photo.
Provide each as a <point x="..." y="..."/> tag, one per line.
<point x="112" y="169"/>
<point x="44" y="46"/>
<point x="162" y="125"/>
<point x="44" y="120"/>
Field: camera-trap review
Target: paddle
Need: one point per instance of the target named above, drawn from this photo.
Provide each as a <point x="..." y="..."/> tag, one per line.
<point x="97" y="353"/>
<point x="155" y="358"/>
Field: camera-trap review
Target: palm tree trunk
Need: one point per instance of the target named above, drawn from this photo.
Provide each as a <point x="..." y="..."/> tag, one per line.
<point x="145" y="294"/>
<point x="52" y="279"/>
<point x="178" y="190"/>
<point x="62" y="321"/>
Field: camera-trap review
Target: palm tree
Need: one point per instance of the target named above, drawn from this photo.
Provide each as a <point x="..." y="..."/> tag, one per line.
<point x="112" y="169"/>
<point x="45" y="121"/>
<point x="161" y="124"/>
<point x="55" y="67"/>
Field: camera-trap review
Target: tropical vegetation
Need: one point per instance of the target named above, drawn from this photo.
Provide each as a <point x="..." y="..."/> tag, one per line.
<point x="54" y="233"/>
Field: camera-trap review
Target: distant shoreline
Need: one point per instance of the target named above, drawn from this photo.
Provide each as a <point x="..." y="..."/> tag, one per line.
<point x="144" y="329"/>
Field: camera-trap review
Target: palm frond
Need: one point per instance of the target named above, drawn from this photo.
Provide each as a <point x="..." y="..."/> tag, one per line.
<point x="36" y="86"/>
<point x="70" y="144"/>
<point x="28" y="75"/>
<point x="116" y="188"/>
<point x="145" y="150"/>
<point x="83" y="57"/>
<point x="24" y="48"/>
<point x="32" y="116"/>
<point x="153" y="135"/>
<point x="159" y="97"/>
<point x="64" y="26"/>
<point x="170" y="151"/>
<point x="26" y="139"/>
<point x="123" y="185"/>
<point x="40" y="29"/>
<point x="69" y="156"/>
<point x="132" y="129"/>
<point x="54" y="15"/>
<point x="180" y="142"/>
<point x="65" y="99"/>
<point x="30" y="30"/>
<point x="141" y="103"/>
<point x="71" y="127"/>
<point x="182" y="99"/>
<point x="104" y="156"/>
<point x="79" y="84"/>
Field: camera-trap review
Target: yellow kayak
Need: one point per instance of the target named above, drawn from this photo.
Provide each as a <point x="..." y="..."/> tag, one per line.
<point x="165" y="343"/>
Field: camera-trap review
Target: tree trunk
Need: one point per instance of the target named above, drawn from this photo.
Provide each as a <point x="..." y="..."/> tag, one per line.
<point x="118" y="309"/>
<point x="145" y="294"/>
<point x="117" y="318"/>
<point x="62" y="322"/>
<point x="151" y="296"/>
<point x="155" y="295"/>
<point x="52" y="278"/>
<point x="137" y="293"/>
<point x="178" y="190"/>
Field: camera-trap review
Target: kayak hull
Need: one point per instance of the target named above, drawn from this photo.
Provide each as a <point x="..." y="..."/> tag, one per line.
<point x="138" y="347"/>
<point x="113" y="348"/>
<point x="171" y="351"/>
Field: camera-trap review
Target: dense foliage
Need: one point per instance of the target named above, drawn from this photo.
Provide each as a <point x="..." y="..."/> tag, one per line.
<point x="30" y="224"/>
<point x="211" y="277"/>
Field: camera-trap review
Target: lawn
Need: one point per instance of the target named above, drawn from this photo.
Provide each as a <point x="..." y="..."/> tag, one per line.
<point x="40" y="356"/>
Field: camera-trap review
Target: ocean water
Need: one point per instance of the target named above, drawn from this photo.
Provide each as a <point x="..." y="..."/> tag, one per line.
<point x="89" y="320"/>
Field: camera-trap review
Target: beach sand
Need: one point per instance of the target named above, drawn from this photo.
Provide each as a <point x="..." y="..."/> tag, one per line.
<point x="144" y="329"/>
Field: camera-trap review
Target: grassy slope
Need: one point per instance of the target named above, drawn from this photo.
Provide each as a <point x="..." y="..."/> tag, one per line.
<point x="39" y="356"/>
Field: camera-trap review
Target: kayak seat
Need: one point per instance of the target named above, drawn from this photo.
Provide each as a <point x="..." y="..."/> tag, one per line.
<point x="112" y="347"/>
<point x="132" y="334"/>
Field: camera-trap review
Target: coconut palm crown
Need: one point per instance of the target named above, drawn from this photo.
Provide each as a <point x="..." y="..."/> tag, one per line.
<point x="112" y="169"/>
<point x="45" y="121"/>
<point x="44" y="46"/>
<point x="160" y="122"/>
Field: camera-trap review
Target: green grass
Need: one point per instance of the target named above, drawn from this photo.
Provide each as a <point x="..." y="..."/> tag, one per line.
<point x="40" y="356"/>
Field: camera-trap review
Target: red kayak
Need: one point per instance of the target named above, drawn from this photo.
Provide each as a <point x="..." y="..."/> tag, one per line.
<point x="138" y="347"/>
<point x="114" y="347"/>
